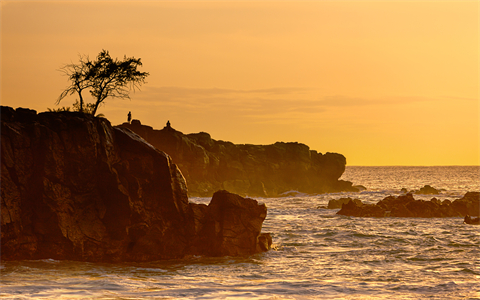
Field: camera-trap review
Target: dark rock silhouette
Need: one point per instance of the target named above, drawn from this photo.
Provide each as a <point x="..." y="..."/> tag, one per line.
<point x="471" y="221"/>
<point x="230" y="225"/>
<point x="427" y="189"/>
<point x="406" y="206"/>
<point x="73" y="187"/>
<point x="256" y="170"/>
<point x="337" y="203"/>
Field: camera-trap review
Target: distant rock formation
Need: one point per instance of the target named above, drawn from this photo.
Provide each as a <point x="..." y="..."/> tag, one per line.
<point x="427" y="190"/>
<point x="73" y="187"/>
<point x="337" y="203"/>
<point x="255" y="170"/>
<point x="471" y="221"/>
<point x="407" y="207"/>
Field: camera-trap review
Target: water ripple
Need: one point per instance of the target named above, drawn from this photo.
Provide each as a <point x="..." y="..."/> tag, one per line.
<point x="317" y="255"/>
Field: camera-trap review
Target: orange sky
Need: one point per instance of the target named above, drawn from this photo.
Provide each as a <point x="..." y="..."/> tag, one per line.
<point x="382" y="82"/>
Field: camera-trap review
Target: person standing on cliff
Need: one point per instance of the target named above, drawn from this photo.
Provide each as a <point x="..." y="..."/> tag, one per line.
<point x="129" y="118"/>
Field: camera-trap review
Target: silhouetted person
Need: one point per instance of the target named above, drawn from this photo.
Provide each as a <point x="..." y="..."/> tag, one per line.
<point x="129" y="118"/>
<point x="168" y="124"/>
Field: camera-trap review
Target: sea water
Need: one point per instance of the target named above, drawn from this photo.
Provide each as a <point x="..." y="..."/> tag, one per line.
<point x="317" y="254"/>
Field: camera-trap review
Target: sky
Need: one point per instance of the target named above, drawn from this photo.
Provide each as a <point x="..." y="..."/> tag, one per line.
<point x="381" y="82"/>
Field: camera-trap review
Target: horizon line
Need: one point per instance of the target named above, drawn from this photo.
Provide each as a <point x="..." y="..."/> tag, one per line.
<point x="412" y="166"/>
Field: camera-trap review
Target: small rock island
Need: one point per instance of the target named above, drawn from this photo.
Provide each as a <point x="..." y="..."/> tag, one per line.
<point x="405" y="206"/>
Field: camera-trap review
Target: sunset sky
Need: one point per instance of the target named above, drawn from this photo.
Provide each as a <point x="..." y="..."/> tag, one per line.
<point x="381" y="82"/>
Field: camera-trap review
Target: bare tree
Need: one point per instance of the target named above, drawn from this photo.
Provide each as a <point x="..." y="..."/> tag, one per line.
<point x="104" y="77"/>
<point x="78" y="74"/>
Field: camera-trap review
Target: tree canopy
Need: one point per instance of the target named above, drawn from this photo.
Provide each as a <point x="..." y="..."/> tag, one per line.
<point x="104" y="77"/>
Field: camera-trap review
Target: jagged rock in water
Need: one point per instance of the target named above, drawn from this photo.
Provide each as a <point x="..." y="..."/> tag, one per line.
<point x="337" y="203"/>
<point x="406" y="206"/>
<point x="471" y="221"/>
<point x="427" y="190"/>
<point x="73" y="187"/>
<point x="231" y="226"/>
<point x="256" y="170"/>
<point x="469" y="204"/>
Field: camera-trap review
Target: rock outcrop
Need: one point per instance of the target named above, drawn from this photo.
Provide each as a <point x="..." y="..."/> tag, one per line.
<point x="471" y="221"/>
<point x="407" y="207"/>
<point x="256" y="170"/>
<point x="73" y="187"/>
<point x="337" y="203"/>
<point x="230" y="226"/>
<point x="427" y="190"/>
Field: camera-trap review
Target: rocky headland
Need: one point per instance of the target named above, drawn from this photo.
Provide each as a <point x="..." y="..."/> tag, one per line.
<point x="405" y="206"/>
<point x="74" y="187"/>
<point x="254" y="170"/>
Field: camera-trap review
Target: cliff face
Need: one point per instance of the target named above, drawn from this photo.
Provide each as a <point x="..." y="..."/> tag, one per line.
<point x="74" y="187"/>
<point x="256" y="170"/>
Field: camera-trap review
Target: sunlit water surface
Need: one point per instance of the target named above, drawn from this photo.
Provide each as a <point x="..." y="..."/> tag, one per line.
<point x="317" y="255"/>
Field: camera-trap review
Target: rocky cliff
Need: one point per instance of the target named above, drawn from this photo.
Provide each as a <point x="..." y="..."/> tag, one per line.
<point x="255" y="170"/>
<point x="74" y="187"/>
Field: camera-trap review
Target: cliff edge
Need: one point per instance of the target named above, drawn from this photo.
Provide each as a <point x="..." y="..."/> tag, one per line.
<point x="255" y="170"/>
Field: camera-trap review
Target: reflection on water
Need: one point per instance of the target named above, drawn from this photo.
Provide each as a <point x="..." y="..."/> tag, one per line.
<point x="318" y="254"/>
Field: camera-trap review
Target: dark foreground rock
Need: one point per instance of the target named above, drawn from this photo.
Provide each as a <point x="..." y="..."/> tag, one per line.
<point x="73" y="187"/>
<point x="256" y="170"/>
<point x="425" y="190"/>
<point x="406" y="206"/>
<point x="230" y="225"/>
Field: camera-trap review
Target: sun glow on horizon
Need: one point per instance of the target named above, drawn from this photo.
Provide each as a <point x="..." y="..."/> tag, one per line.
<point x="383" y="83"/>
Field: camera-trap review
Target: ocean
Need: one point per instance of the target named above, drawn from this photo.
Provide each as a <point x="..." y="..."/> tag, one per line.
<point x="317" y="254"/>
